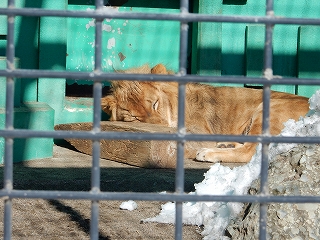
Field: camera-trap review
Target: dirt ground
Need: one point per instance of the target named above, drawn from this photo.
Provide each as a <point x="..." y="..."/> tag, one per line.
<point x="70" y="219"/>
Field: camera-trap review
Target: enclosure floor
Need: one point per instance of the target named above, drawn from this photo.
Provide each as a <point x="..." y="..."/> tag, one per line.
<point x="69" y="170"/>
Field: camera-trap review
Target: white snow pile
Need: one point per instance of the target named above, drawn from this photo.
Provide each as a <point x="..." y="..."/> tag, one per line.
<point x="221" y="180"/>
<point x="129" y="205"/>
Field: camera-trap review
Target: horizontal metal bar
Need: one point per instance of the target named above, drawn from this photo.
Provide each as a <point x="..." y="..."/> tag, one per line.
<point x="179" y="197"/>
<point x="23" y="133"/>
<point x="184" y="17"/>
<point x="92" y="76"/>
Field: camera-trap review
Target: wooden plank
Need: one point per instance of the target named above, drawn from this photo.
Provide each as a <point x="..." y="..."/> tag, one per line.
<point x="148" y="154"/>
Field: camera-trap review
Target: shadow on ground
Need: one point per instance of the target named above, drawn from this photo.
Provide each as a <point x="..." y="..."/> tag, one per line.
<point x="112" y="179"/>
<point x="69" y="170"/>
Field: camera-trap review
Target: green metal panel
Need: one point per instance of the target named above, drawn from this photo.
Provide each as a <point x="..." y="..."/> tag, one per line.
<point x="26" y="43"/>
<point x="242" y="44"/>
<point x="52" y="55"/>
<point x="309" y="57"/>
<point x="3" y="30"/>
<point x="285" y="55"/>
<point x="233" y="36"/>
<point x="297" y="8"/>
<point x="254" y="51"/>
<point x="207" y="41"/>
<point x="3" y="19"/>
<point x="254" y="44"/>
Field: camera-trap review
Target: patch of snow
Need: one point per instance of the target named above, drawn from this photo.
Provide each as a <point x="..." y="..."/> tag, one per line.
<point x="215" y="216"/>
<point x="129" y="205"/>
<point x="221" y="180"/>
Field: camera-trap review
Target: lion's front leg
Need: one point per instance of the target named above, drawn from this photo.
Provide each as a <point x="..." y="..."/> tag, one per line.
<point x="239" y="154"/>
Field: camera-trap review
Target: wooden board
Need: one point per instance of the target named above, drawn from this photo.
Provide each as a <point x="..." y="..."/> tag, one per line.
<point x="147" y="154"/>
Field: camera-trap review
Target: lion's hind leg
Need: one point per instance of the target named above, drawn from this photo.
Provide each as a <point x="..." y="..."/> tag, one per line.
<point x="240" y="154"/>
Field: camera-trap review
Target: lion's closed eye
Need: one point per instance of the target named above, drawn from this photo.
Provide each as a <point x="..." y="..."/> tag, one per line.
<point x="155" y="105"/>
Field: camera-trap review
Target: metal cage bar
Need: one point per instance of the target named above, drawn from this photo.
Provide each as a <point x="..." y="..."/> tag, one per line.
<point x="97" y="76"/>
<point x="185" y="17"/>
<point x="268" y="74"/>
<point x="179" y="182"/>
<point x="8" y="148"/>
<point x="101" y="77"/>
<point x="97" y="94"/>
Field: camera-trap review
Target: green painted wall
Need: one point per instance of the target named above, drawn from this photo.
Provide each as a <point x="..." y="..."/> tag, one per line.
<point x="28" y="112"/>
<point x="237" y="49"/>
<point x="125" y="43"/>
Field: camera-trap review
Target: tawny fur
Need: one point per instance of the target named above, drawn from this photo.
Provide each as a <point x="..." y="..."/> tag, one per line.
<point x="209" y="110"/>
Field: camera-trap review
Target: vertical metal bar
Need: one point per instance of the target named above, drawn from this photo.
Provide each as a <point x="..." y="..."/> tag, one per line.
<point x="97" y="89"/>
<point x="8" y="156"/>
<point x="179" y="189"/>
<point x="179" y="185"/>
<point x="264" y="191"/>
<point x="268" y="74"/>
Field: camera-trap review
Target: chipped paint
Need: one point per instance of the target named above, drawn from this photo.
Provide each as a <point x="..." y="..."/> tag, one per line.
<point x="92" y="44"/>
<point x="111" y="43"/>
<point x="106" y="27"/>
<point x="121" y="56"/>
<point x="109" y="61"/>
<point x="110" y="9"/>
<point x="90" y="24"/>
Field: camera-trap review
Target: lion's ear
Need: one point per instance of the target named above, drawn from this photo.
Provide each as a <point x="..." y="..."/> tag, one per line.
<point x="115" y="84"/>
<point x="159" y="69"/>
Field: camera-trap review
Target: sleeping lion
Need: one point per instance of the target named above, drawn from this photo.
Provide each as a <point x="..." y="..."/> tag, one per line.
<point x="208" y="110"/>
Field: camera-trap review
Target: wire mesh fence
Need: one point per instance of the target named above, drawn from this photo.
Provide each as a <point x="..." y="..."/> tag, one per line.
<point x="97" y="76"/>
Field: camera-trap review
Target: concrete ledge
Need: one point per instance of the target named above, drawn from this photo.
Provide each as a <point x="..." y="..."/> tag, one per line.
<point x="31" y="115"/>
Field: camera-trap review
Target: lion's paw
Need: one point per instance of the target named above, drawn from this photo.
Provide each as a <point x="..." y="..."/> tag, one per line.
<point x="206" y="155"/>
<point x="229" y="145"/>
<point x="223" y="145"/>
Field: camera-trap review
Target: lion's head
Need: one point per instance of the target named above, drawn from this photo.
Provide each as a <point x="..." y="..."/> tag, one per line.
<point x="137" y="101"/>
